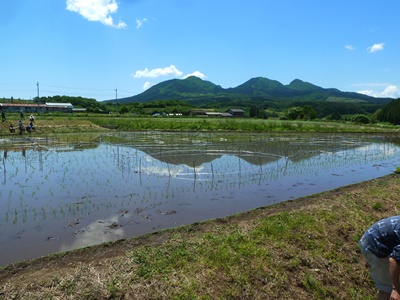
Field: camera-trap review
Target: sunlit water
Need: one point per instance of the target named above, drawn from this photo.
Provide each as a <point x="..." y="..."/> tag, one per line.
<point x="58" y="194"/>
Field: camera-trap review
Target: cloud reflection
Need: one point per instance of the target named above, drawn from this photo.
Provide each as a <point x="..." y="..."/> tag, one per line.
<point x="96" y="233"/>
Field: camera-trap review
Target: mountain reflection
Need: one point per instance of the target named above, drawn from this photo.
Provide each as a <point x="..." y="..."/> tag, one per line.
<point x="86" y="189"/>
<point x="178" y="149"/>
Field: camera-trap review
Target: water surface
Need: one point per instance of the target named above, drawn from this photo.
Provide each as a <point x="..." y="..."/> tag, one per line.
<point x="69" y="191"/>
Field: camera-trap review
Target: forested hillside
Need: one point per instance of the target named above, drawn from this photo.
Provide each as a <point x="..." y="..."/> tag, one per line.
<point x="195" y="90"/>
<point x="258" y="98"/>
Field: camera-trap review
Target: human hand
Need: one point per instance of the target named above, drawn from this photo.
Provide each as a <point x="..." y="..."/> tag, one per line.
<point x="395" y="295"/>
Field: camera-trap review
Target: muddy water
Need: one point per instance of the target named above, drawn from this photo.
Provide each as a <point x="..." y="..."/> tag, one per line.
<point x="71" y="191"/>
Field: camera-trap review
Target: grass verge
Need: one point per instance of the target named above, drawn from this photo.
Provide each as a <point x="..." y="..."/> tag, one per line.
<point x="245" y="124"/>
<point x="70" y="123"/>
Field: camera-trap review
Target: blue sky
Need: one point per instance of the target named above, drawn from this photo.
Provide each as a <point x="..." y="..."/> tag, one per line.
<point x="104" y="49"/>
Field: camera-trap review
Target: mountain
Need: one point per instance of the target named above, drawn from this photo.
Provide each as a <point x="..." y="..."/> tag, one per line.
<point x="300" y="85"/>
<point x="176" y="89"/>
<point x="258" y="86"/>
<point x="194" y="89"/>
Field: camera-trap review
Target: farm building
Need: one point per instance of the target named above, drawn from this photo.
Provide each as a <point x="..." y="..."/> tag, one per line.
<point x="232" y="112"/>
<point x="17" y="107"/>
<point x="78" y="109"/>
<point x="199" y="113"/>
<point x="31" y="107"/>
<point x="213" y="114"/>
<point x="60" y="107"/>
<point x="236" y="112"/>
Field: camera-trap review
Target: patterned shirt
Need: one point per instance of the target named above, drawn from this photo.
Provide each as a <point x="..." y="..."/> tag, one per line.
<point x="383" y="238"/>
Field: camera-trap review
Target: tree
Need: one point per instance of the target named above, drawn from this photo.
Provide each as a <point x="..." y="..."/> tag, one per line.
<point x="363" y="119"/>
<point x="293" y="113"/>
<point x="253" y="111"/>
<point x="309" y="113"/>
<point x="123" y="109"/>
<point x="334" y="116"/>
<point x="261" y="114"/>
<point x="390" y="112"/>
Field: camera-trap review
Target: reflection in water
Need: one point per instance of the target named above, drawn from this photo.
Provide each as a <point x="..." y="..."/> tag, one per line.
<point x="40" y="161"/>
<point x="198" y="176"/>
<point x="4" y="168"/>
<point x="98" y="232"/>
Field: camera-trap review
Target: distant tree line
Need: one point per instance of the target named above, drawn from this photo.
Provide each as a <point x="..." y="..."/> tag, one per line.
<point x="81" y="102"/>
<point x="254" y="107"/>
<point x="390" y="112"/>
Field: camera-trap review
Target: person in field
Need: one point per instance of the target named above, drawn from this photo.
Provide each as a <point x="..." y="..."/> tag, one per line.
<point x="20" y="126"/>
<point x="380" y="245"/>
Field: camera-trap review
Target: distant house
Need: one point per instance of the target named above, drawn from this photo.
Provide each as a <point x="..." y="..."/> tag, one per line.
<point x="60" y="107"/>
<point x="233" y="112"/>
<point x="201" y="113"/>
<point x="219" y="114"/>
<point x="17" y="107"/>
<point x="236" y="112"/>
<point x="226" y="115"/>
<point x="32" y="108"/>
<point x="78" y="109"/>
<point x="213" y="114"/>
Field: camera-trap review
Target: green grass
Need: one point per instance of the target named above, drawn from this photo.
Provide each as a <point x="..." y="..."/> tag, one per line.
<point x="212" y="124"/>
<point x="70" y="123"/>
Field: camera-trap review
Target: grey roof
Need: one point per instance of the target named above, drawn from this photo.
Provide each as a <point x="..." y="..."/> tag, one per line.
<point x="59" y="104"/>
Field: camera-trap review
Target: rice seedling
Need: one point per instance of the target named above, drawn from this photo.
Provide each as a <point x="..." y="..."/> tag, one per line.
<point x="214" y="173"/>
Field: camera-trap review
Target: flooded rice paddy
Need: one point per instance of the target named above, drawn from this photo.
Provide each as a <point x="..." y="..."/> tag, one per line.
<point x="65" y="192"/>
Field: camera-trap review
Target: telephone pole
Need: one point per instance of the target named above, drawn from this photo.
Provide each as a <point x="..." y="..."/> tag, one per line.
<point x="38" y="108"/>
<point x="116" y="94"/>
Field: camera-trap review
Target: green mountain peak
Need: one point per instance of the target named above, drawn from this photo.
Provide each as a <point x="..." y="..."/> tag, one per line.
<point x="300" y="85"/>
<point x="196" y="89"/>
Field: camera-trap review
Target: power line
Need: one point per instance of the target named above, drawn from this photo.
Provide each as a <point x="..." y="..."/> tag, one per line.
<point x="50" y="90"/>
<point x="53" y="86"/>
<point x="73" y="88"/>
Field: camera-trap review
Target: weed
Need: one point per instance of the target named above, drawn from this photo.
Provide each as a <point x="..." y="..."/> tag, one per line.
<point x="377" y="205"/>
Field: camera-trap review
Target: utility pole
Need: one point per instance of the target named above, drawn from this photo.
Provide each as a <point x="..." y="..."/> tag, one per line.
<point x="116" y="94"/>
<point x="38" y="108"/>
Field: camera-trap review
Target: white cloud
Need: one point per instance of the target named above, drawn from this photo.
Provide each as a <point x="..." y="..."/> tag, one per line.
<point x="390" y="91"/>
<point x="147" y="85"/>
<point x="158" y="72"/>
<point x="197" y="74"/>
<point x="139" y="23"/>
<point x="96" y="10"/>
<point x="171" y="70"/>
<point x="350" y="47"/>
<point x="376" y="48"/>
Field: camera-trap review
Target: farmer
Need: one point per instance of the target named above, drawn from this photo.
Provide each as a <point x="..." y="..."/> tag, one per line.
<point x="380" y="245"/>
<point x="12" y="129"/>
<point x="31" y="124"/>
<point x="28" y="128"/>
<point x="3" y="116"/>
<point x="21" y="114"/>
<point x="20" y="126"/>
